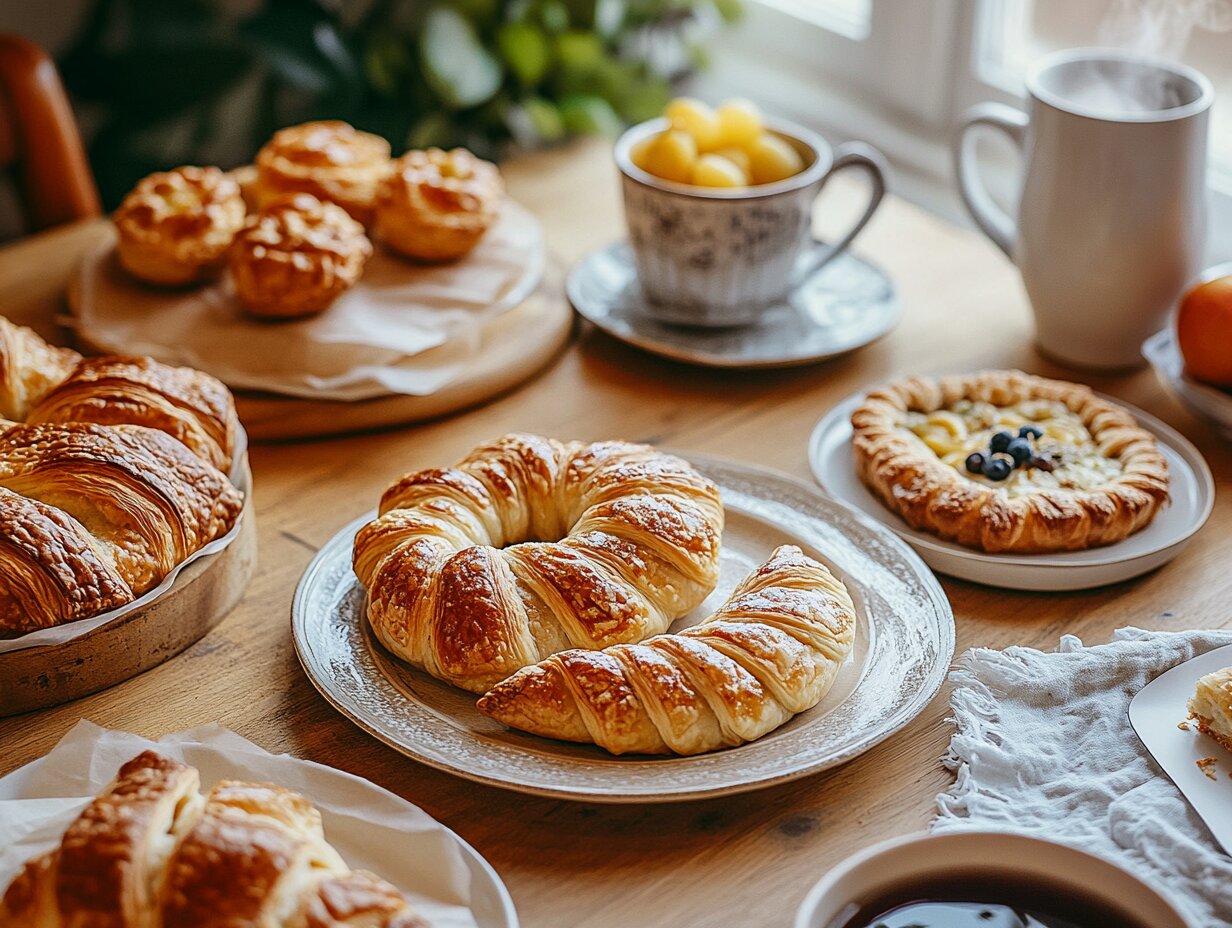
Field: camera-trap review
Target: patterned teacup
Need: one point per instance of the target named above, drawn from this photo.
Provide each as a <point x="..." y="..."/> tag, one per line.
<point x="717" y="257"/>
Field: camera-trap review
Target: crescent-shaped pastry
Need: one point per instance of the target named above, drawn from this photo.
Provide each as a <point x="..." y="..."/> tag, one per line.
<point x="330" y="159"/>
<point x="296" y="256"/>
<point x="771" y="651"/>
<point x="29" y="368"/>
<point x="185" y="403"/>
<point x="1082" y="474"/>
<point x="436" y="205"/>
<point x="529" y="546"/>
<point x="151" y="850"/>
<point x="132" y="504"/>
<point x="175" y="226"/>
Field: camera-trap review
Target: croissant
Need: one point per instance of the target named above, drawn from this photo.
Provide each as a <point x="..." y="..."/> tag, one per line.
<point x="772" y="650"/>
<point x="94" y="516"/>
<point x="29" y="368"/>
<point x="152" y="852"/>
<point x="530" y="546"/>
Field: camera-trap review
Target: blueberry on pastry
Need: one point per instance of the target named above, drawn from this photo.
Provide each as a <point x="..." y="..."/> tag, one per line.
<point x="436" y="205"/>
<point x="152" y="849"/>
<point x="1003" y="461"/>
<point x="330" y="159"/>
<point x="175" y="227"/>
<point x="296" y="256"/>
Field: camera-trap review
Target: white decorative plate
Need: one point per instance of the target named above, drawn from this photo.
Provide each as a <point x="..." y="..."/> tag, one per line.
<point x="1192" y="490"/>
<point x="1214" y="404"/>
<point x="904" y="643"/>
<point x="842" y="306"/>
<point x="1155" y="714"/>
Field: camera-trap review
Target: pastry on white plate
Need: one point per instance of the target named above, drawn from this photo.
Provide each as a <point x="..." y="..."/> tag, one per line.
<point x="1211" y="706"/>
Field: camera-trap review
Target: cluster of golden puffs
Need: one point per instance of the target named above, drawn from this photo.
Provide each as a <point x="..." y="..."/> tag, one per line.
<point x="724" y="147"/>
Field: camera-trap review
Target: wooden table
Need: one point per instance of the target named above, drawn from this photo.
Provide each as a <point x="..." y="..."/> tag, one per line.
<point x="745" y="860"/>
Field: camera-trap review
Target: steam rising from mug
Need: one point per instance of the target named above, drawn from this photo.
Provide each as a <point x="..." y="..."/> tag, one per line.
<point x="1162" y="27"/>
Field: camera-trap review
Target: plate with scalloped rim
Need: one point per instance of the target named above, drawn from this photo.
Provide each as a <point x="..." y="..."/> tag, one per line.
<point x="1192" y="493"/>
<point x="904" y="644"/>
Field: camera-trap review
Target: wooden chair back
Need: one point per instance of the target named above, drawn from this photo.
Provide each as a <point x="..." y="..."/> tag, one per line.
<point x="39" y="142"/>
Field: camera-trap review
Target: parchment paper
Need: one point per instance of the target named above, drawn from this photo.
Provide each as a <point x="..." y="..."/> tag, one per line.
<point x="404" y="328"/>
<point x="372" y="828"/>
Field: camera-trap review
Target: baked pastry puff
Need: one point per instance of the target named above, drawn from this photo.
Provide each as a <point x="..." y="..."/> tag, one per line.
<point x="175" y="226"/>
<point x="435" y="205"/>
<point x="331" y="159"/>
<point x="296" y="256"/>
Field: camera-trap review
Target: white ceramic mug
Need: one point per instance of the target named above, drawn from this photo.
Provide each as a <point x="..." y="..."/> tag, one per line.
<point x="712" y="257"/>
<point x="1112" y="215"/>
<point x="919" y="859"/>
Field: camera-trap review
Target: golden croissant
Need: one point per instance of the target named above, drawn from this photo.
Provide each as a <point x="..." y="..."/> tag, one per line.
<point x="530" y="546"/>
<point x="772" y="650"/>
<point x="152" y="852"/>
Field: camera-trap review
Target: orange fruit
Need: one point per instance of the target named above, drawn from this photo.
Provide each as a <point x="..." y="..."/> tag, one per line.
<point x="1204" y="331"/>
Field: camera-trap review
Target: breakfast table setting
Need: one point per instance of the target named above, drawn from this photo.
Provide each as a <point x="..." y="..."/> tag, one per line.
<point x="796" y="555"/>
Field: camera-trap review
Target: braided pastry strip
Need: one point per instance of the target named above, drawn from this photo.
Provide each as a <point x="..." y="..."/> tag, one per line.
<point x="467" y="580"/>
<point x="931" y="495"/>
<point x="152" y="852"/>
<point x="771" y="651"/>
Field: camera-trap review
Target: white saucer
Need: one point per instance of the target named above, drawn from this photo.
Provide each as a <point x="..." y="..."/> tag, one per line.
<point x="1192" y="491"/>
<point x="1155" y="713"/>
<point x="1162" y="351"/>
<point x="843" y="306"/>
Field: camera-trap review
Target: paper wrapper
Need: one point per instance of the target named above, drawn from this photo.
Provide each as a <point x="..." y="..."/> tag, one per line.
<point x="371" y="828"/>
<point x="58" y="634"/>
<point x="404" y="328"/>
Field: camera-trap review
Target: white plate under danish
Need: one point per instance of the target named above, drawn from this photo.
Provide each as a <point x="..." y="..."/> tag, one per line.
<point x="1192" y="498"/>
<point x="904" y="643"/>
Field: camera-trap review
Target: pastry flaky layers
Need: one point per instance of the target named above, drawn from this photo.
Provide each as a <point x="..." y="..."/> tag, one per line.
<point x="152" y="852"/>
<point x="1107" y="477"/>
<point x="113" y="479"/>
<point x="1211" y="706"/>
<point x="771" y="651"/>
<point x="529" y="546"/>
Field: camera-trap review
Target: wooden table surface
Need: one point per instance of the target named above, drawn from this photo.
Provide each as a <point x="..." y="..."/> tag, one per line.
<point x="748" y="859"/>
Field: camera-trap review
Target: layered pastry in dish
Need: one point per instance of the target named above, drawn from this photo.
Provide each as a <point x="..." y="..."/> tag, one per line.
<point x="296" y="256"/>
<point x="152" y="849"/>
<point x="1007" y="462"/>
<point x="529" y="546"/>
<point x="114" y="478"/>
<point x="1211" y="706"/>
<point x="772" y="650"/>
<point x="175" y="227"/>
<point x="331" y="160"/>
<point x="436" y="205"/>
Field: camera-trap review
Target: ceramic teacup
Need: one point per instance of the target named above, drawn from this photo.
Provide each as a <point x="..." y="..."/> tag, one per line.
<point x="716" y="257"/>
<point x="919" y="859"/>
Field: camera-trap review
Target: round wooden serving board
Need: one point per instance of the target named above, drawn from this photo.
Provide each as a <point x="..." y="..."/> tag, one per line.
<point x="202" y="595"/>
<point x="514" y="346"/>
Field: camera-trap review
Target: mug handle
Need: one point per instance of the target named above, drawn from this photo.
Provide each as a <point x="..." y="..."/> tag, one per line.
<point x="992" y="219"/>
<point x="850" y="155"/>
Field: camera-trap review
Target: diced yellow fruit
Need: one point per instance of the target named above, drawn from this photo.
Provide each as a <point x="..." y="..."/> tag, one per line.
<point x="737" y="156"/>
<point x="639" y="154"/>
<point x="739" y="123"/>
<point x="713" y="170"/>
<point x="773" y="159"/>
<point x="697" y="119"/>
<point x="671" y="156"/>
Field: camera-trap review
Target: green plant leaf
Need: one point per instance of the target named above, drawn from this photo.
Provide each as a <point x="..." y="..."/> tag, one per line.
<point x="534" y="120"/>
<point x="583" y="114"/>
<point x="526" y="50"/>
<point x="579" y="53"/>
<point x="303" y="44"/>
<point x="455" y="63"/>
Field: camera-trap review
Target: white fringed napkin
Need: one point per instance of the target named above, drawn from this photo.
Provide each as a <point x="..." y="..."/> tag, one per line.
<point x="1044" y="746"/>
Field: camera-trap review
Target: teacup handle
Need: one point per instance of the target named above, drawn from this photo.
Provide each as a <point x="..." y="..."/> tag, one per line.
<point x="991" y="218"/>
<point x="850" y="155"/>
